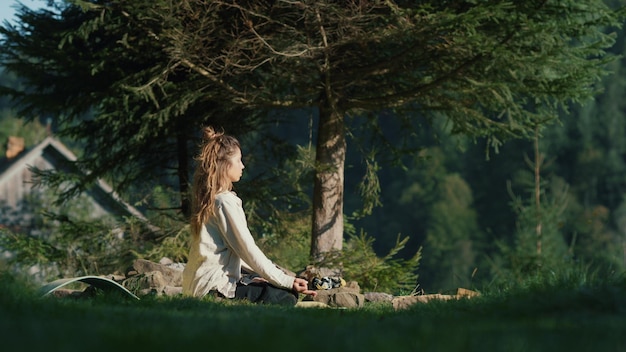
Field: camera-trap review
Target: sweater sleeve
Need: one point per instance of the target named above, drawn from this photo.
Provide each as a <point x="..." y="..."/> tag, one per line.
<point x="234" y="227"/>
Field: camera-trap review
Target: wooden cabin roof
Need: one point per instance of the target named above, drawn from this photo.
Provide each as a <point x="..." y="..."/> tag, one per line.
<point x="16" y="178"/>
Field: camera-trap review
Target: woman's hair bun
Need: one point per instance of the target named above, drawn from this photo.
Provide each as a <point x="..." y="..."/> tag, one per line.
<point x="209" y="133"/>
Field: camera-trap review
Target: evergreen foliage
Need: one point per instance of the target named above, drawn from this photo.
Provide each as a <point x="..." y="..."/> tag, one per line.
<point x="134" y="80"/>
<point x="68" y="241"/>
<point x="539" y="245"/>
<point x="88" y="66"/>
<point x="493" y="69"/>
<point x="388" y="273"/>
<point x="452" y="238"/>
<point x="174" y="247"/>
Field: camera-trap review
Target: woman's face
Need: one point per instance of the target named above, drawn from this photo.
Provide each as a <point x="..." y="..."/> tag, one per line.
<point x="235" y="167"/>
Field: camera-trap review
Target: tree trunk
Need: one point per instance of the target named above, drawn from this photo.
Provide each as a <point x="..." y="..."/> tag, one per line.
<point x="327" y="229"/>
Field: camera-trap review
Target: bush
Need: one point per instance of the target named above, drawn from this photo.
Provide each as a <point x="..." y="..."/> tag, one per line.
<point x="360" y="263"/>
<point x="73" y="248"/>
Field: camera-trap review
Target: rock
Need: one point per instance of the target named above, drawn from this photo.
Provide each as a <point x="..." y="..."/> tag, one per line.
<point x="463" y="292"/>
<point x="172" y="277"/>
<point x="151" y="280"/>
<point x="403" y="302"/>
<point x="311" y="304"/>
<point x="172" y="291"/>
<point x="347" y="297"/>
<point x="378" y="297"/>
<point x="352" y="286"/>
<point x="166" y="261"/>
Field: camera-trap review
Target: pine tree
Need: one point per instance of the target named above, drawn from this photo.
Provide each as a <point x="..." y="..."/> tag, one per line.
<point x="494" y="69"/>
<point x="88" y="67"/>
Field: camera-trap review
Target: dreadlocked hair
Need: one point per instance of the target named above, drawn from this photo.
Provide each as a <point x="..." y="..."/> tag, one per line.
<point x="210" y="175"/>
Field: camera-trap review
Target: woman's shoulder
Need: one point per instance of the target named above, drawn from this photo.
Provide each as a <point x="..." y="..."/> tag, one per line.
<point x="227" y="198"/>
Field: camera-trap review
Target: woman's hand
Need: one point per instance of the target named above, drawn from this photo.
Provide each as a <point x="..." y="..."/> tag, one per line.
<point x="302" y="286"/>
<point x="259" y="279"/>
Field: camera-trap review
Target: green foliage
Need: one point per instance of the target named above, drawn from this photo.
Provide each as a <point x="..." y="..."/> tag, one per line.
<point x="374" y="273"/>
<point x="15" y="287"/>
<point x="68" y="241"/>
<point x="171" y="239"/>
<point x="453" y="236"/>
<point x="369" y="187"/>
<point x="437" y="205"/>
<point x="538" y="245"/>
<point x="273" y="187"/>
<point x="27" y="250"/>
<point x="538" y="233"/>
<point x="283" y="232"/>
<point x="86" y="63"/>
<point x="567" y="283"/>
<point x="174" y="247"/>
<point x="288" y="242"/>
<point x="75" y="248"/>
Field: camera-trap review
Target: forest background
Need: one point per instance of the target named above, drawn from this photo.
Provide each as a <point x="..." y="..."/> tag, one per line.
<point x="470" y="209"/>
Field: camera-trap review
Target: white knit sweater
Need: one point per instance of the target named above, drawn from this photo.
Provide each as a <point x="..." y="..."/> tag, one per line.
<point x="223" y="246"/>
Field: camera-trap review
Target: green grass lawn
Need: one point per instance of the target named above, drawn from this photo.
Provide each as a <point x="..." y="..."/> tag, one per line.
<point x="552" y="317"/>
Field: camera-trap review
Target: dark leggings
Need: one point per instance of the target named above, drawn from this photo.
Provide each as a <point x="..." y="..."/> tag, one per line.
<point x="265" y="293"/>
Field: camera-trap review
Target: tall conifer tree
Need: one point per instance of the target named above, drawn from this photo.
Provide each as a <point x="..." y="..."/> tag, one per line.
<point x="493" y="68"/>
<point x="101" y="72"/>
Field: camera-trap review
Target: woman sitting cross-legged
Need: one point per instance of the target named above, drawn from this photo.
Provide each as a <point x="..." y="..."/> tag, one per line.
<point x="221" y="244"/>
